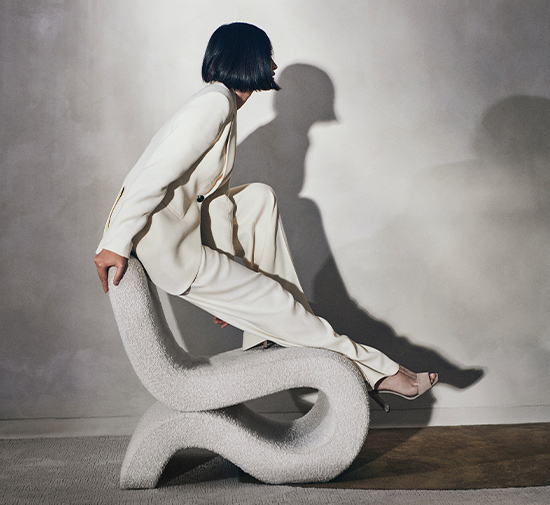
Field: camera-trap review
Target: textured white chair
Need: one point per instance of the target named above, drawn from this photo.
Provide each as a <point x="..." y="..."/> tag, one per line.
<point x="200" y="400"/>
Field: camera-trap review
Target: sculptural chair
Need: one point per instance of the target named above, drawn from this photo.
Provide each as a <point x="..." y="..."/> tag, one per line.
<point x="200" y="400"/>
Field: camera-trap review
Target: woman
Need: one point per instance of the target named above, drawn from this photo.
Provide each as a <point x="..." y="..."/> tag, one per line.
<point x="177" y="212"/>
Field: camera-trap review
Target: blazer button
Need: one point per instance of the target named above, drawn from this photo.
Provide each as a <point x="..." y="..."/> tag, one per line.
<point x="200" y="198"/>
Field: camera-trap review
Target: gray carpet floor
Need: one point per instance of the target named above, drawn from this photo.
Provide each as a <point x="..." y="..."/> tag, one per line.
<point x="85" y="471"/>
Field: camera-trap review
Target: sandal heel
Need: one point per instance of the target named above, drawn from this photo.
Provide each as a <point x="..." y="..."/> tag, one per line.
<point x="376" y="397"/>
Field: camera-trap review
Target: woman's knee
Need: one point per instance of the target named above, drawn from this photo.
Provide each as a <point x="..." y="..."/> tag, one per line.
<point x="261" y="194"/>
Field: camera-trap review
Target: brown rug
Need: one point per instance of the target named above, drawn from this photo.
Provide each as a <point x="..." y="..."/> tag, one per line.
<point x="85" y="471"/>
<point x="451" y="457"/>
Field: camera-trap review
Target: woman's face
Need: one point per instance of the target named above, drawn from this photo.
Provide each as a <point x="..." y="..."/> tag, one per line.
<point x="273" y="67"/>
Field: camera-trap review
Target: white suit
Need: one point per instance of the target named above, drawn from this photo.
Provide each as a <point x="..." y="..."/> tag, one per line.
<point x="157" y="213"/>
<point x="177" y="212"/>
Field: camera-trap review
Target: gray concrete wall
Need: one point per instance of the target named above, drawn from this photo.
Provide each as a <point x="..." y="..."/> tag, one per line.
<point x="418" y="219"/>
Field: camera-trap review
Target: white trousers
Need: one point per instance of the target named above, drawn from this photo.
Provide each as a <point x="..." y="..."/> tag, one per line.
<point x="263" y="296"/>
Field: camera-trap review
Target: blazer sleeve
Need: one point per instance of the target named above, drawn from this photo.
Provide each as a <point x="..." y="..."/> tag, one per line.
<point x="193" y="132"/>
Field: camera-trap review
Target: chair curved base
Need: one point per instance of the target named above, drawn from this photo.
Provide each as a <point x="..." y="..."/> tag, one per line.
<point x="309" y="449"/>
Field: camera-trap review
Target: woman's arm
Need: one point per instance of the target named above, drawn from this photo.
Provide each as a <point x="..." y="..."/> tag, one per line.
<point x="191" y="135"/>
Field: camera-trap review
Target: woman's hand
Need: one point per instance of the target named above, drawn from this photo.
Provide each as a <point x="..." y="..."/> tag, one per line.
<point x="221" y="322"/>
<point x="106" y="259"/>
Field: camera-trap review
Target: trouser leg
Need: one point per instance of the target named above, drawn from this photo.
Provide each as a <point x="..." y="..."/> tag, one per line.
<point x="259" y="240"/>
<point x="258" y="304"/>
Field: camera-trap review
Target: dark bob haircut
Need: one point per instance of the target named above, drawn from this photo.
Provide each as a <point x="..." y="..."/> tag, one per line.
<point x="239" y="56"/>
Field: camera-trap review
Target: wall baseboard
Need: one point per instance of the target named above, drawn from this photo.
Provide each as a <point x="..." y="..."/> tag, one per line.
<point x="417" y="418"/>
<point x="409" y="418"/>
<point x="67" y="427"/>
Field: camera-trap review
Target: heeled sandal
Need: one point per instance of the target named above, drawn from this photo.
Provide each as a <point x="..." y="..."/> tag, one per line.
<point x="422" y="379"/>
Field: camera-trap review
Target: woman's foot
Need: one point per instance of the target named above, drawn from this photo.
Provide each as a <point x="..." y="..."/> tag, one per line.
<point x="406" y="383"/>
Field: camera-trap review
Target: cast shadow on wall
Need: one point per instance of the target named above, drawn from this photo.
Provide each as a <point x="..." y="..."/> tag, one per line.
<point x="514" y="135"/>
<point x="275" y="155"/>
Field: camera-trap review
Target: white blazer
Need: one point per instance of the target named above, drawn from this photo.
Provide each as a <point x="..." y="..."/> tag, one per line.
<point x="157" y="213"/>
